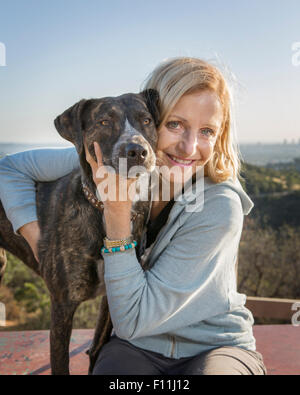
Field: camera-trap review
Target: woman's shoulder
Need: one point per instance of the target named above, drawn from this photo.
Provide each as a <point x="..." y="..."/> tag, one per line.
<point x="226" y="193"/>
<point x="214" y="204"/>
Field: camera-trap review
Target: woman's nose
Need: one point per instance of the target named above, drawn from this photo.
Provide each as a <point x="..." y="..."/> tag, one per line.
<point x="189" y="144"/>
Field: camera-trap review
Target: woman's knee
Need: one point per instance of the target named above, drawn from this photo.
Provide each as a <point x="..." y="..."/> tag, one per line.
<point x="226" y="361"/>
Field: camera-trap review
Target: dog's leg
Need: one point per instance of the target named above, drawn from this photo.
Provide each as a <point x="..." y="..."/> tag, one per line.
<point x="60" y="335"/>
<point x="102" y="333"/>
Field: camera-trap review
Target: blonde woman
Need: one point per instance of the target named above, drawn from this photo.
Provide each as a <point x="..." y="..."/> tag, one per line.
<point x="184" y="315"/>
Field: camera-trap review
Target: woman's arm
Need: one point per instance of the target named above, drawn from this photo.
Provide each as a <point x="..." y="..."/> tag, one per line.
<point x="31" y="233"/>
<point x="18" y="174"/>
<point x="190" y="280"/>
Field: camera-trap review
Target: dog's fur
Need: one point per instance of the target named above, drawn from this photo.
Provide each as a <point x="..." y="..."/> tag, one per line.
<point x="72" y="230"/>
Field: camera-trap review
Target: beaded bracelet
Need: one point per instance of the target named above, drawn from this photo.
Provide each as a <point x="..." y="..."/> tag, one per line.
<point x="116" y="243"/>
<point x="121" y="248"/>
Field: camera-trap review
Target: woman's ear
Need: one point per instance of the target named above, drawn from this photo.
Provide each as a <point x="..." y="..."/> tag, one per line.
<point x="151" y="97"/>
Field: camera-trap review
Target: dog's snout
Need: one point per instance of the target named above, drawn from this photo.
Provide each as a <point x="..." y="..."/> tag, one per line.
<point x="136" y="152"/>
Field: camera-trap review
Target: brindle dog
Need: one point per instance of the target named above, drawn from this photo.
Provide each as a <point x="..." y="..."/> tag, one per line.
<point x="72" y="229"/>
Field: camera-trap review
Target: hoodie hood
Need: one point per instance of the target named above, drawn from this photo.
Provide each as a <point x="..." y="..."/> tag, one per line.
<point x="203" y="184"/>
<point x="247" y="203"/>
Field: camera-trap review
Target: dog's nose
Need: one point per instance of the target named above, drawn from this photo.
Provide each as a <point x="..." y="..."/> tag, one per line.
<point x="136" y="152"/>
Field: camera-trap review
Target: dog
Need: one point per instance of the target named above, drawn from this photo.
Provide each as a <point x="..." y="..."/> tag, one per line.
<point x="70" y="217"/>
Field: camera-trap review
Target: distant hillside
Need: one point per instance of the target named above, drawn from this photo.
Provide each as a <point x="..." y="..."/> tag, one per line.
<point x="285" y="166"/>
<point x="275" y="193"/>
<point x="263" y="180"/>
<point x="276" y="211"/>
<point x="263" y="154"/>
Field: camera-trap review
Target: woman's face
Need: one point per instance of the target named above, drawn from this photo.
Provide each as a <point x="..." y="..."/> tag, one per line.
<point x="190" y="133"/>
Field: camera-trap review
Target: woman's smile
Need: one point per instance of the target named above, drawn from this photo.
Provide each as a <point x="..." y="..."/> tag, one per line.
<point x="180" y="161"/>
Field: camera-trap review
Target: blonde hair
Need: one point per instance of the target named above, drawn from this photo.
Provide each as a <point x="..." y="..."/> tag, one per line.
<point x="178" y="76"/>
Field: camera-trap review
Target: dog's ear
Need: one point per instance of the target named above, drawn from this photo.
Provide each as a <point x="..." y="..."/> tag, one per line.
<point x="151" y="97"/>
<point x="69" y="125"/>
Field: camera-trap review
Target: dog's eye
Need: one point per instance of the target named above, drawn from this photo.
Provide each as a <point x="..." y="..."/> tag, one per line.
<point x="147" y="121"/>
<point x="104" y="123"/>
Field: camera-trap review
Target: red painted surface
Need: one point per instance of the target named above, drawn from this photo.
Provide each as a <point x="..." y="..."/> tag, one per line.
<point x="25" y="353"/>
<point x="280" y="347"/>
<point x="28" y="352"/>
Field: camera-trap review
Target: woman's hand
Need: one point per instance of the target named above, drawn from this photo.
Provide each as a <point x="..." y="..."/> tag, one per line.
<point x="117" y="212"/>
<point x="31" y="233"/>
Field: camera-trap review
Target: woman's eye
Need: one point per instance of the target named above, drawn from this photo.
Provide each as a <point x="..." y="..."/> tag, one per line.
<point x="207" y="132"/>
<point x="173" y="125"/>
<point x="147" y="121"/>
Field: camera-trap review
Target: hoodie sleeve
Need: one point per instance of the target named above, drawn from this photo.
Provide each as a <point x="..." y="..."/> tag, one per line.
<point x="190" y="280"/>
<point x="20" y="171"/>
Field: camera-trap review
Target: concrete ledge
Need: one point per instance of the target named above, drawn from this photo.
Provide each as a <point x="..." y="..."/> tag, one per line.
<point x="27" y="353"/>
<point x="271" y="307"/>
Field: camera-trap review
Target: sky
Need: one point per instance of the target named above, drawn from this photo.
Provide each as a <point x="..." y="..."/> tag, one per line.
<point x="61" y="51"/>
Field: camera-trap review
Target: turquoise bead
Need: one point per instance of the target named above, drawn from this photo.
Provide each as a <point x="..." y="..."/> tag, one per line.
<point x="115" y="249"/>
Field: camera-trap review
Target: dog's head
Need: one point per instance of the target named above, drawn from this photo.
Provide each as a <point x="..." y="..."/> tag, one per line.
<point x="124" y="127"/>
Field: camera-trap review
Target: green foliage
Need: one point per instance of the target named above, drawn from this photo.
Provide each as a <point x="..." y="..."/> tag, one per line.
<point x="275" y="211"/>
<point x="269" y="261"/>
<point x="87" y="314"/>
<point x="29" y="293"/>
<point x="19" y="277"/>
<point x="260" y="180"/>
<point x="268" y="180"/>
<point x="27" y="300"/>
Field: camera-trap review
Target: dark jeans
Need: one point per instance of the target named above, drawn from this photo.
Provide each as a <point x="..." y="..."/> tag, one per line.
<point x="120" y="357"/>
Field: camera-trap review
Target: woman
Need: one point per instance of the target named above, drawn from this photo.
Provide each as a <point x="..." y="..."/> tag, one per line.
<point x="184" y="315"/>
